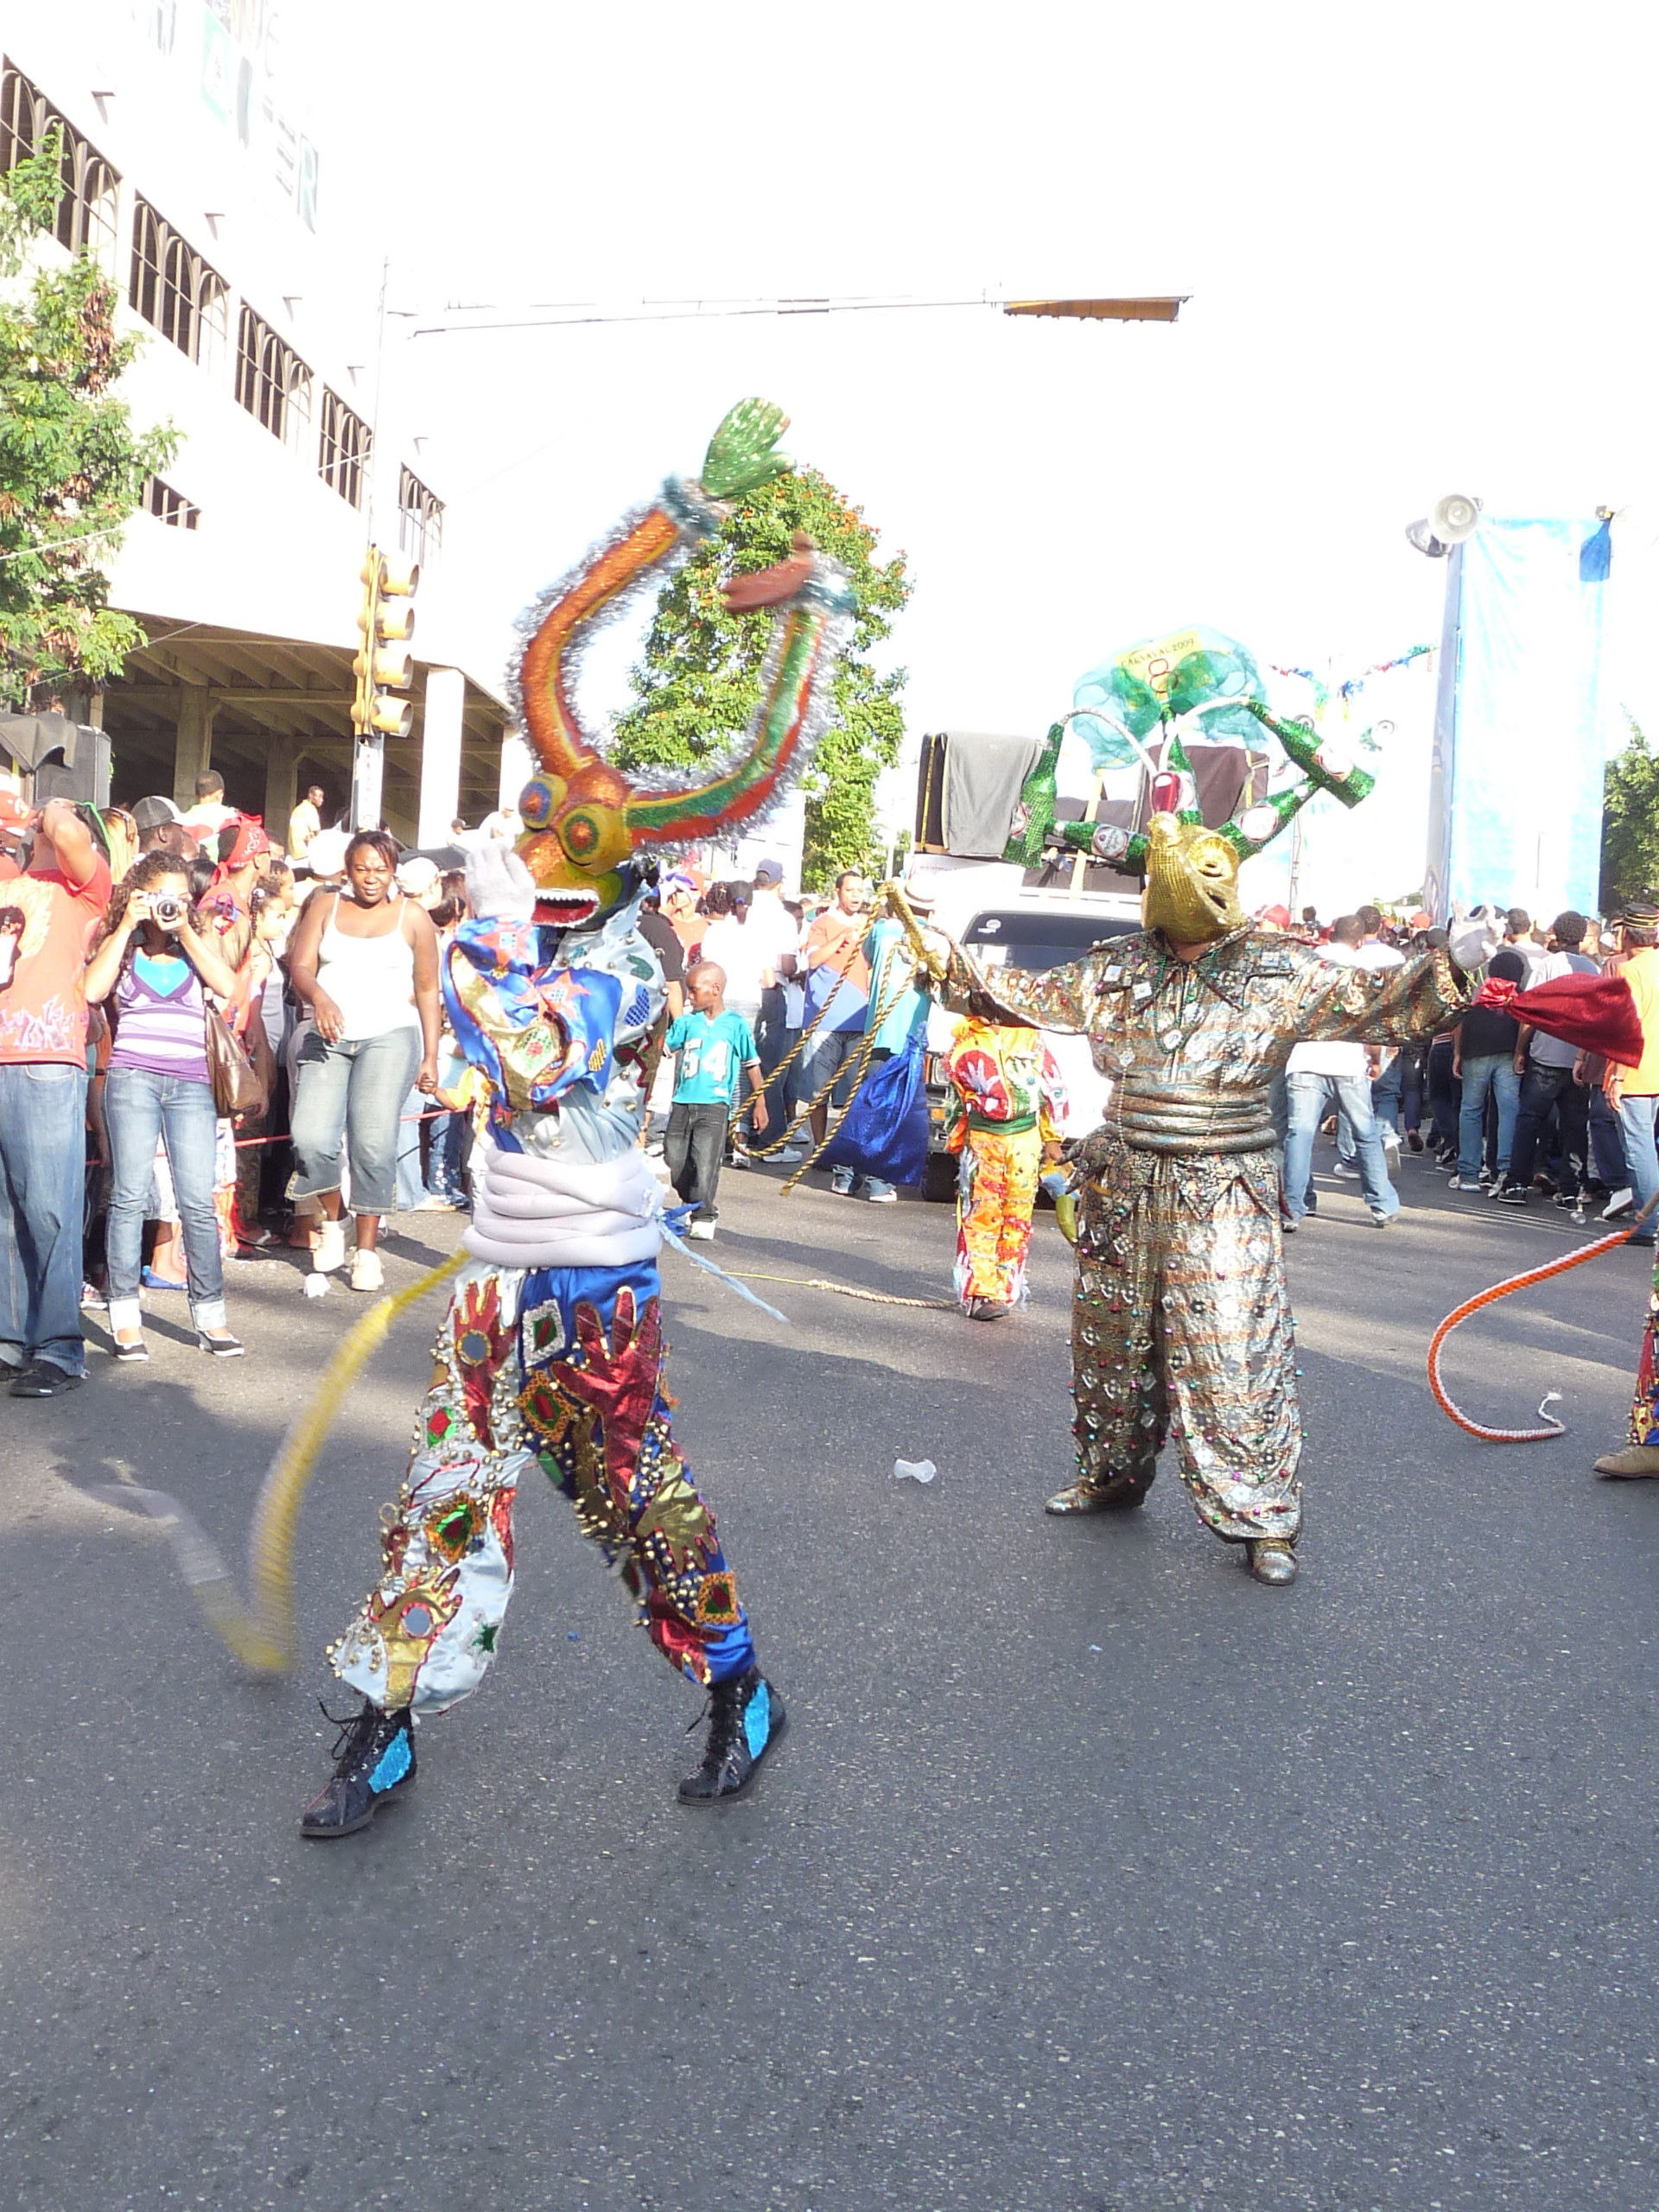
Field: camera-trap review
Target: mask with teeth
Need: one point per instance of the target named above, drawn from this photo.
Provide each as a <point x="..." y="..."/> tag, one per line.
<point x="1192" y="892"/>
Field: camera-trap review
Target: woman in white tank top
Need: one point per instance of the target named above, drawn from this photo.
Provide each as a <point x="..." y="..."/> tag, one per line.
<point x="367" y="968"/>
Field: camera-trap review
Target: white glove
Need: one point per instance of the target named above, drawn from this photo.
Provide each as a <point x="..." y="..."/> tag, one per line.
<point x="1473" y="938"/>
<point x="499" y="888"/>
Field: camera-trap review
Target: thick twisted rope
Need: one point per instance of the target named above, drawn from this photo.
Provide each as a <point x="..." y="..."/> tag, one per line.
<point x="1551" y="1425"/>
<point x="263" y="1636"/>
<point x="892" y="900"/>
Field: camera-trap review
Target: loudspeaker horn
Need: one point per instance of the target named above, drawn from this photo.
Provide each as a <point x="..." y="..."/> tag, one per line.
<point x="1453" y="518"/>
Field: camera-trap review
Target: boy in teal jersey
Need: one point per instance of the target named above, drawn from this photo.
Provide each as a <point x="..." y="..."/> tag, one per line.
<point x="711" y="1048"/>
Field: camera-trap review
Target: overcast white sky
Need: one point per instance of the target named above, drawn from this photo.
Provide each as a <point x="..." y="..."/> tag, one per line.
<point x="1419" y="240"/>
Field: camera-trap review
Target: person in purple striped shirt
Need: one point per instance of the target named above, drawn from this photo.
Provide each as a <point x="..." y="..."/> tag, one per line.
<point x="151" y="970"/>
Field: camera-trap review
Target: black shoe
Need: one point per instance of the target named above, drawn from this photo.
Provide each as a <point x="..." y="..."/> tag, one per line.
<point x="43" y="1378"/>
<point x="374" y="1763"/>
<point x="1511" y="1194"/>
<point x="746" y="1719"/>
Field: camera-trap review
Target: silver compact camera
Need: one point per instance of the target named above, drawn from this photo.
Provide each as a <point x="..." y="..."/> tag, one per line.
<point x="167" y="910"/>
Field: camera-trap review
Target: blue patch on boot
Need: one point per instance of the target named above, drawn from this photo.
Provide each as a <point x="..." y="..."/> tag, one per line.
<point x="757" y="1720"/>
<point x="393" y="1763"/>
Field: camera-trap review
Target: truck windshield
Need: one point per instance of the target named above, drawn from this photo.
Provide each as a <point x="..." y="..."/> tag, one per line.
<point x="1036" y="942"/>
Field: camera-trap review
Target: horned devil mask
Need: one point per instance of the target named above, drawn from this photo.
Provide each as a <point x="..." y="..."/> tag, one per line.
<point x="584" y="820"/>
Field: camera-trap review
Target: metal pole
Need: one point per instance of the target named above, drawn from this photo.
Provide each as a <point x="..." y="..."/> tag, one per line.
<point x="368" y="760"/>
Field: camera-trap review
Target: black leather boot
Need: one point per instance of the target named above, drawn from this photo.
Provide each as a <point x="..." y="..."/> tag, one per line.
<point x="374" y="1763"/>
<point x="745" y="1718"/>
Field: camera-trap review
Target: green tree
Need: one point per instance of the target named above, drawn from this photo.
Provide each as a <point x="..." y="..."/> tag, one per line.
<point x="698" y="681"/>
<point x="72" y="467"/>
<point x="1629" y="826"/>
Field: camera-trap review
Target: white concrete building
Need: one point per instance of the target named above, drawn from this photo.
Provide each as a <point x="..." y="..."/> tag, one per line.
<point x="194" y="175"/>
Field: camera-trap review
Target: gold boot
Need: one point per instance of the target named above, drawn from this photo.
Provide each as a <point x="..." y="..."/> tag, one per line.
<point x="1272" y="1560"/>
<point x="1634" y="1464"/>
<point x="1116" y="1495"/>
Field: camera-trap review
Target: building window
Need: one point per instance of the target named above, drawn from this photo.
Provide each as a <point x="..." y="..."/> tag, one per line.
<point x="86" y="211"/>
<point x="272" y="382"/>
<point x="420" y="518"/>
<point x="174" y="290"/>
<point x="347" y="443"/>
<point x="168" y="505"/>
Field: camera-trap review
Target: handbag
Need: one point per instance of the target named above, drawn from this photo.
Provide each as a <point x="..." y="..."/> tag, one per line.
<point x="237" y="1087"/>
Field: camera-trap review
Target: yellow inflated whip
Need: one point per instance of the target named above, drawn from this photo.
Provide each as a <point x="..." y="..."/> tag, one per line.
<point x="263" y="1637"/>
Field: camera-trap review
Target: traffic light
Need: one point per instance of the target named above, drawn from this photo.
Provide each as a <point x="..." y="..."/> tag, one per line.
<point x="385" y="664"/>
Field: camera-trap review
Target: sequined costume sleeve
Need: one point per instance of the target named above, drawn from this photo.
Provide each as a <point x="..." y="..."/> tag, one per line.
<point x="1067" y="999"/>
<point x="1389" y="1006"/>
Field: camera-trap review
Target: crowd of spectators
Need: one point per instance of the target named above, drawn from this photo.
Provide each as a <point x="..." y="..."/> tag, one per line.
<point x="211" y="1046"/>
<point x="1505" y="1110"/>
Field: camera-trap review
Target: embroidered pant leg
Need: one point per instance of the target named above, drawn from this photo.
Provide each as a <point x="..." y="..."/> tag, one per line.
<point x="1118" y="1348"/>
<point x="596" y="1416"/>
<point x="426" y="1634"/>
<point x="995" y="1194"/>
<point x="1022" y="1164"/>
<point x="1644" y="1409"/>
<point x="1230" y="1350"/>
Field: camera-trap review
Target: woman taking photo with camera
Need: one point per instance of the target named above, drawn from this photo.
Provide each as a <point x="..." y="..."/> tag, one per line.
<point x="153" y="968"/>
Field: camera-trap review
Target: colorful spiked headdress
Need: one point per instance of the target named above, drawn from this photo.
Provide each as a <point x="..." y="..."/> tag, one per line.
<point x="1196" y="687"/>
<point x="584" y="819"/>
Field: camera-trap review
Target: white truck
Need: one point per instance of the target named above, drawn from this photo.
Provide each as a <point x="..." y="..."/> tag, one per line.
<point x="987" y="907"/>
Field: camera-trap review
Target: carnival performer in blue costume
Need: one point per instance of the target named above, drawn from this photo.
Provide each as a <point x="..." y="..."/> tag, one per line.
<point x="552" y="1352"/>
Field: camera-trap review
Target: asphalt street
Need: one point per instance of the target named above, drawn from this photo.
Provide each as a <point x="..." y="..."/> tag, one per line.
<point x="1091" y="1876"/>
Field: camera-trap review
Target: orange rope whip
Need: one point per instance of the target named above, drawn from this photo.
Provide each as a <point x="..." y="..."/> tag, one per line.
<point x="1553" y="1427"/>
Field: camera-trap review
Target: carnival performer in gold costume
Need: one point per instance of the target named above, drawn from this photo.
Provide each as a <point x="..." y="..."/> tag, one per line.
<point x="1180" y="1318"/>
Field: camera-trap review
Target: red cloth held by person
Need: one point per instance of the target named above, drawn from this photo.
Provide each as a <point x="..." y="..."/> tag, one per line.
<point x="1595" y="1012"/>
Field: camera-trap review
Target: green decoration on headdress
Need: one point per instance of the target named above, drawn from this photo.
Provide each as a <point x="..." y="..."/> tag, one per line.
<point x="741" y="455"/>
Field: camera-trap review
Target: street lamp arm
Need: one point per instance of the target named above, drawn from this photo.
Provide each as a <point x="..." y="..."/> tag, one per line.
<point x="558" y="315"/>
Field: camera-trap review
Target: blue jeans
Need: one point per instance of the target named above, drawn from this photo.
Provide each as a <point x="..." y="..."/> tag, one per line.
<point x="1444" y="1092"/>
<point x="1308" y="1097"/>
<point x="139" y="1106"/>
<point x="353" y="1091"/>
<point x="1607" y="1143"/>
<point x="1635" y="1120"/>
<point x="411" y="1185"/>
<point x="42" y="1198"/>
<point x="1487" y="1071"/>
<point x="834" y="1055"/>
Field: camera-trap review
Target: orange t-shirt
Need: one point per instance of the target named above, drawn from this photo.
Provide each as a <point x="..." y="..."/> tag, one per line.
<point x="43" y="1009"/>
<point x="827" y="941"/>
<point x="1641" y="972"/>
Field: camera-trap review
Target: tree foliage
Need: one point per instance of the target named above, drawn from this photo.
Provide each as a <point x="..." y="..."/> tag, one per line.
<point x="698" y="681"/>
<point x="72" y="467"/>
<point x="1629" y="826"/>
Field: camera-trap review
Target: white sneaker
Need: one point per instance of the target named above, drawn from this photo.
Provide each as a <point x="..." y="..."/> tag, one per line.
<point x="367" y="1273"/>
<point x="880" y="1194"/>
<point x="329" y="1251"/>
<point x="788" y="1153"/>
<point x="841" y="1182"/>
<point x="702" y="1232"/>
<point x="1619" y="1203"/>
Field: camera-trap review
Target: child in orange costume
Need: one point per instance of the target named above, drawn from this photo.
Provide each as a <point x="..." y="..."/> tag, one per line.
<point x="1005" y="1112"/>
